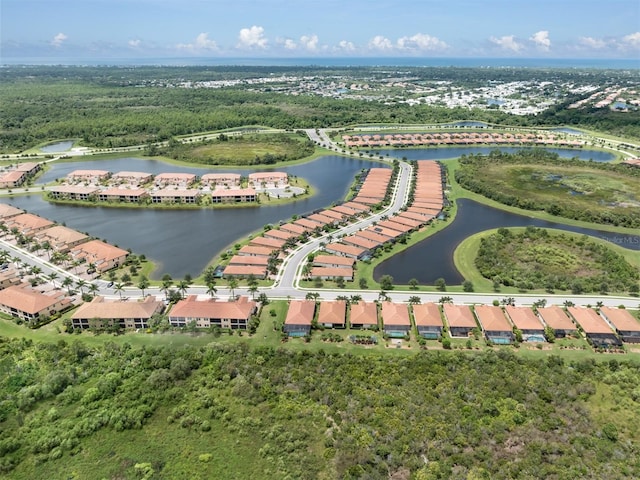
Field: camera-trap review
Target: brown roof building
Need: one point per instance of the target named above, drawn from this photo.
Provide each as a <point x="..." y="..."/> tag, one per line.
<point x="526" y="321"/>
<point x="255" y="251"/>
<point x="496" y="327"/>
<point x="363" y="315"/>
<point x="28" y="224"/>
<point x="102" y="313"/>
<point x="333" y="261"/>
<point x="395" y="319"/>
<point x="626" y="325"/>
<point x="220" y="179"/>
<point x="8" y="211"/>
<point x="61" y="238"/>
<point x="299" y="317"/>
<point x="460" y="319"/>
<point x="237" y="195"/>
<point x="332" y="314"/>
<point x="132" y="178"/>
<point x="257" y="271"/>
<point x="73" y="192"/>
<point x="346" y="250"/>
<point x="555" y="318"/>
<point x="428" y="320"/>
<point x="332" y="273"/>
<point x="22" y="301"/>
<point x="100" y="254"/>
<point x="127" y="195"/>
<point x="598" y="332"/>
<point x="174" y="179"/>
<point x="89" y="176"/>
<point x="211" y="312"/>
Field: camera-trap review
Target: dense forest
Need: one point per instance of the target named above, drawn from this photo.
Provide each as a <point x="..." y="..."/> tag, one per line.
<point x="113" y="411"/>
<point x="539" y="180"/>
<point x="117" y="106"/>
<point x="536" y="259"/>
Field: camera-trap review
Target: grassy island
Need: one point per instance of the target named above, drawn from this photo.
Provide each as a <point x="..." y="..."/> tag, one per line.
<point x="538" y="180"/>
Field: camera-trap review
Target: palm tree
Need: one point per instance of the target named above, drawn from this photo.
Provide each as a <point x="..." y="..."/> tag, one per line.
<point x="143" y="284"/>
<point x="211" y="289"/>
<point x="81" y="284"/>
<point x="253" y="288"/>
<point x="93" y="289"/>
<point x="67" y="282"/>
<point x="46" y="246"/>
<point x="182" y="287"/>
<point x="232" y="284"/>
<point x="119" y="287"/>
<point x="51" y="277"/>
<point x="166" y="286"/>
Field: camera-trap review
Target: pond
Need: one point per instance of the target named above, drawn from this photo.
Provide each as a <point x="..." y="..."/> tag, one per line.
<point x="184" y="241"/>
<point x="57" y="147"/>
<point x="433" y="257"/>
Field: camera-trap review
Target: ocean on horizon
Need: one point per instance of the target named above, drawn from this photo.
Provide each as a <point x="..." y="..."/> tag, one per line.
<point x="462" y="62"/>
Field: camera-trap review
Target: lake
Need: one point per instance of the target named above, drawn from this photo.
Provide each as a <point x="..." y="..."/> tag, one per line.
<point x="184" y="241"/>
<point x="433" y="257"/>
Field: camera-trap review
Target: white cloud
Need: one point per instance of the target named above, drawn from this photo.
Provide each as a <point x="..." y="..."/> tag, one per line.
<point x="591" y="42"/>
<point x="380" y="43"/>
<point x="345" y="46"/>
<point x="252" y="37"/>
<point x="541" y="40"/>
<point x="421" y="41"/>
<point x="632" y="40"/>
<point x="201" y="43"/>
<point x="289" y="44"/>
<point x="310" y="42"/>
<point x="59" y="39"/>
<point x="507" y="42"/>
<point x="134" y="43"/>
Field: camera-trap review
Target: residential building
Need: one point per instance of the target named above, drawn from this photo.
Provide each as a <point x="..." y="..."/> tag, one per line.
<point x="234" y="195"/>
<point x="62" y="239"/>
<point x="363" y="315"/>
<point x="333" y="261"/>
<point x="625" y="324"/>
<point x="100" y="254"/>
<point x="428" y="320"/>
<point x="125" y="195"/>
<point x="555" y="318"/>
<point x="346" y="250"/>
<point x="74" y="192"/>
<point x="22" y="301"/>
<point x="8" y="211"/>
<point x="332" y="314"/>
<point x="299" y="318"/>
<point x="169" y="195"/>
<point x="243" y="271"/>
<point x="134" y="179"/>
<point x="332" y="273"/>
<point x="88" y="176"/>
<point x="268" y="179"/>
<point x="102" y="313"/>
<point x="28" y="224"/>
<point x="180" y="180"/>
<point x="527" y="322"/>
<point x="211" y="312"/>
<point x="460" y="319"/>
<point x="220" y="180"/>
<point x="395" y="319"/>
<point x="497" y="328"/>
<point x="597" y="331"/>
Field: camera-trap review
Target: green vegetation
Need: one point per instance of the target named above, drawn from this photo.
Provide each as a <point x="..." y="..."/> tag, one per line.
<point x="534" y="258"/>
<point x="539" y="180"/>
<point x="241" y="150"/>
<point x="225" y="411"/>
<point x="113" y="107"/>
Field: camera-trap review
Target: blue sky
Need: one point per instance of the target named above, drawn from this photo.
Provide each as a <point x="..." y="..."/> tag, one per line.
<point x="327" y="28"/>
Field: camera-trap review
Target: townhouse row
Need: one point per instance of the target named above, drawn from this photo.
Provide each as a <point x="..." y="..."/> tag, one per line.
<point x="17" y="175"/>
<point x="45" y="234"/>
<point x="607" y="328"/>
<point x="455" y="138"/>
<point x="201" y="313"/>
